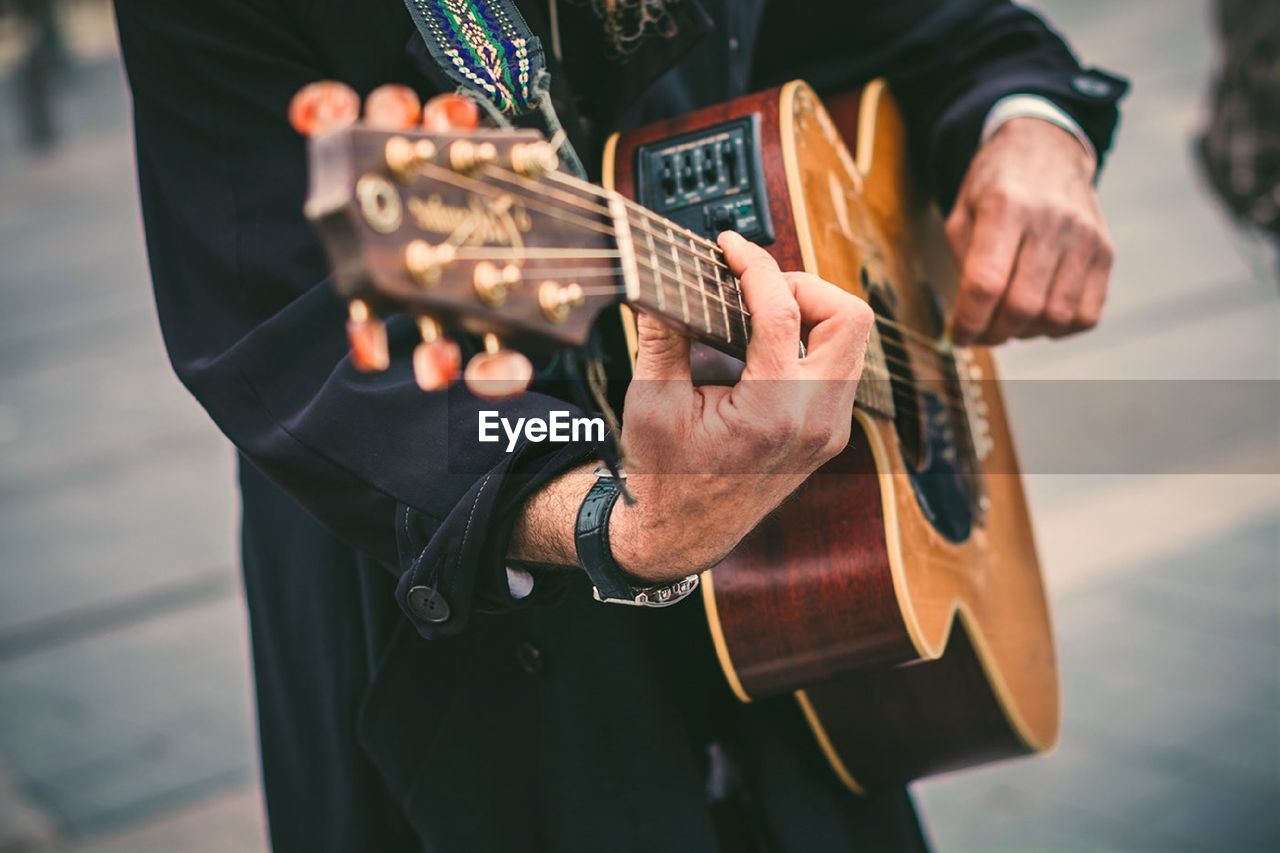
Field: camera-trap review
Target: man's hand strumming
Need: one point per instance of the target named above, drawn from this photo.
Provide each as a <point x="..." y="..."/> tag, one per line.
<point x="1029" y="237"/>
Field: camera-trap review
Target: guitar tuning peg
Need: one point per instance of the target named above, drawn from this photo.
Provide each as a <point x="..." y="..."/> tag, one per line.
<point x="534" y="159"/>
<point x="437" y="360"/>
<point x="467" y="156"/>
<point x="405" y="159"/>
<point x="556" y="299"/>
<point x="492" y="283"/>
<point x="392" y="107"/>
<point x="367" y="337"/>
<point x="498" y="373"/>
<point x="323" y="106"/>
<point x="444" y="113"/>
<point x="425" y="261"/>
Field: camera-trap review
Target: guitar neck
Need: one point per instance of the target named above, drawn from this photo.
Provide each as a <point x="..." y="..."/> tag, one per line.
<point x="680" y="276"/>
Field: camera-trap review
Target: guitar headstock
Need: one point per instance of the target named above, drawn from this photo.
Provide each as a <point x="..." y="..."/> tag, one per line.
<point x="454" y="224"/>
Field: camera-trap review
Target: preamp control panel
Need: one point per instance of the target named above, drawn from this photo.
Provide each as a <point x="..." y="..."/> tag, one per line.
<point x="709" y="180"/>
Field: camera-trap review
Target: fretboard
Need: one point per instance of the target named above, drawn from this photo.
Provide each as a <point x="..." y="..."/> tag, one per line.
<point x="681" y="276"/>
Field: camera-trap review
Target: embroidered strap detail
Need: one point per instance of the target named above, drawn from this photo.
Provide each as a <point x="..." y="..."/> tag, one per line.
<point x="486" y="47"/>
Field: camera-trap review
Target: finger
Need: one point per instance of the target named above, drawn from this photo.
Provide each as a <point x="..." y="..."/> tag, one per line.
<point x="1028" y="290"/>
<point x="985" y="271"/>
<point x="774" y="348"/>
<point x="662" y="354"/>
<point x="839" y="324"/>
<point x="1089" y="310"/>
<point x="959" y="231"/>
<point x="1067" y="288"/>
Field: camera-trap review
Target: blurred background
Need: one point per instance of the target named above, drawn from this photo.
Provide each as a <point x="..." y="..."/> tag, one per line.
<point x="126" y="717"/>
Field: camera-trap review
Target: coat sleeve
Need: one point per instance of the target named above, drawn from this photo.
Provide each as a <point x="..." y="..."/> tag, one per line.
<point x="254" y="330"/>
<point x="948" y="62"/>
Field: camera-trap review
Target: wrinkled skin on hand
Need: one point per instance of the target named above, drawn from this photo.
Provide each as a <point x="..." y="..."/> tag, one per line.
<point x="1029" y="238"/>
<point x="707" y="463"/>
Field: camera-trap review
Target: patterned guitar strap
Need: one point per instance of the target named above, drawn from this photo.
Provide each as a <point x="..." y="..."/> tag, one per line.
<point x="486" y="47"/>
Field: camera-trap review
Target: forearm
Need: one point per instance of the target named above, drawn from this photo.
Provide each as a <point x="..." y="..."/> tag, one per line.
<point x="654" y="538"/>
<point x="543" y="531"/>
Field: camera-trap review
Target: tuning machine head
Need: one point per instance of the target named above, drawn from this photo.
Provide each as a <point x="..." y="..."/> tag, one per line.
<point x="493" y="282"/>
<point x="392" y="107"/>
<point x="445" y="113"/>
<point x="425" y="261"/>
<point x="367" y="338"/>
<point x="534" y="159"/>
<point x="323" y="106"/>
<point x="498" y="373"/>
<point x="555" y="299"/>
<point x="466" y="156"/>
<point x="406" y="158"/>
<point x="437" y="361"/>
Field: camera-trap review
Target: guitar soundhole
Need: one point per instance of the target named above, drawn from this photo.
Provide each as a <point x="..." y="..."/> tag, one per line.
<point x="932" y="434"/>
<point x="907" y="420"/>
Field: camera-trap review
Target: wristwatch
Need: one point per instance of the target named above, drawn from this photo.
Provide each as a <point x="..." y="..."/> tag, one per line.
<point x="591" y="538"/>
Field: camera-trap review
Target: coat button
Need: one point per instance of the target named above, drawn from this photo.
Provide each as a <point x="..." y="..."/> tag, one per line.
<point x="1088" y="84"/>
<point x="530" y="657"/>
<point x="428" y="605"/>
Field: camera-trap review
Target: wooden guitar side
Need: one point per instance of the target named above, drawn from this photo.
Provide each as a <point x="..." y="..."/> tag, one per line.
<point x="908" y="653"/>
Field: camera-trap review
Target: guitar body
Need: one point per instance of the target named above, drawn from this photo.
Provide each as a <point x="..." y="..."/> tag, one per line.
<point x="897" y="594"/>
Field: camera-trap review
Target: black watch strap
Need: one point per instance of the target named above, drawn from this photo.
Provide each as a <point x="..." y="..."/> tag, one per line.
<point x="591" y="539"/>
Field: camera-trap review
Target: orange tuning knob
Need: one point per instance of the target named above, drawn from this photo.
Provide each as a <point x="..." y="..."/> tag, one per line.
<point x="323" y="106"/>
<point x="367" y="337"/>
<point x="437" y="361"/>
<point x="498" y="373"/>
<point x="444" y="113"/>
<point x="392" y="107"/>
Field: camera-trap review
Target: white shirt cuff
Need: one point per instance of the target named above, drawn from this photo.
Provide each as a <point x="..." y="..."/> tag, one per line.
<point x="519" y="583"/>
<point x="1034" y="106"/>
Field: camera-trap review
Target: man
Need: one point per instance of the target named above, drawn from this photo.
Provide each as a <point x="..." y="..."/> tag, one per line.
<point x="415" y="693"/>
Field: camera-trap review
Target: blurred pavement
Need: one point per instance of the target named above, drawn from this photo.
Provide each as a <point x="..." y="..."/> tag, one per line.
<point x="126" y="717"/>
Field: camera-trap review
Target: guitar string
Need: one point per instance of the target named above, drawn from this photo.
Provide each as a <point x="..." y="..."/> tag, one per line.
<point x="911" y="371"/>
<point x="659" y="272"/>
<point x="715" y="253"/>
<point x="456" y="179"/>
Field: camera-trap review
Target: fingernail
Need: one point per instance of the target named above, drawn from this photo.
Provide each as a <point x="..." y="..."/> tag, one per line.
<point x="728" y="235"/>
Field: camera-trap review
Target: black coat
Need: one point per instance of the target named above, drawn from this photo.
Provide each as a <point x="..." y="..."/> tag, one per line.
<point x="552" y="723"/>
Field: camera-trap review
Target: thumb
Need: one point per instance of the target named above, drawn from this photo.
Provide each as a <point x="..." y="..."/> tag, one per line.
<point x="661" y="352"/>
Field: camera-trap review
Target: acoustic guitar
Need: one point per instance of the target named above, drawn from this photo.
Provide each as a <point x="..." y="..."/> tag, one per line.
<point x="897" y="594"/>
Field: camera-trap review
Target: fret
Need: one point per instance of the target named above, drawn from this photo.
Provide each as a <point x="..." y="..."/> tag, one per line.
<point x="675" y="262"/>
<point x="697" y="264"/>
<point x="742" y="315"/>
<point x="724" y="302"/>
<point x="657" y="269"/>
<point x="626" y="248"/>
